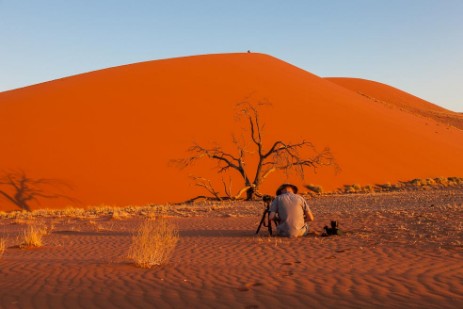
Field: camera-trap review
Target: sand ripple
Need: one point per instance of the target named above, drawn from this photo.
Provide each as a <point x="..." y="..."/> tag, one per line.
<point x="380" y="262"/>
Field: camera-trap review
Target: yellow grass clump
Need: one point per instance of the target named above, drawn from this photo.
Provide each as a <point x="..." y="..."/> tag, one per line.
<point x="33" y="235"/>
<point x="2" y="246"/>
<point x="153" y="243"/>
<point x="120" y="215"/>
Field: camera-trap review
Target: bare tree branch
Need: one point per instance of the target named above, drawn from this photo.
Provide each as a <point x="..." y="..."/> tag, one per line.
<point x="227" y="187"/>
<point x="244" y="189"/>
<point x="281" y="156"/>
<point x="268" y="172"/>
<point x="224" y="159"/>
<point x="206" y="184"/>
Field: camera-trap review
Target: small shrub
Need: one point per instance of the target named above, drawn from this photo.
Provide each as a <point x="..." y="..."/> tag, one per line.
<point x="355" y="188"/>
<point x="120" y="215"/>
<point x="314" y="188"/>
<point x="385" y="187"/>
<point x="454" y="181"/>
<point x="416" y="182"/>
<point x="153" y="243"/>
<point x="441" y="181"/>
<point x="32" y="236"/>
<point x="369" y="189"/>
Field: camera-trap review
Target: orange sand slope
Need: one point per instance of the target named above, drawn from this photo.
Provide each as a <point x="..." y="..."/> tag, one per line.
<point x="393" y="97"/>
<point x="112" y="133"/>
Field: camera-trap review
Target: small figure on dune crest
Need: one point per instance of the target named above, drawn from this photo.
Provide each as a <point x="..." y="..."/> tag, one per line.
<point x="291" y="211"/>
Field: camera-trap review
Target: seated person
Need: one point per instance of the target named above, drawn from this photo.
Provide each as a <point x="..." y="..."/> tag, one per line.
<point x="292" y="211"/>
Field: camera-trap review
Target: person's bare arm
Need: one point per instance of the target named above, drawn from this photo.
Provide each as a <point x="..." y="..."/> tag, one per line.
<point x="309" y="216"/>
<point x="271" y="216"/>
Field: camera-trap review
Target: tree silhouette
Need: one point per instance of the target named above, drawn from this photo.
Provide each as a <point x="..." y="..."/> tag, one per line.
<point x="280" y="156"/>
<point x="20" y="189"/>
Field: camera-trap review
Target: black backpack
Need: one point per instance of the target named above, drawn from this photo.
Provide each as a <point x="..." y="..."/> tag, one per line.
<point x="333" y="230"/>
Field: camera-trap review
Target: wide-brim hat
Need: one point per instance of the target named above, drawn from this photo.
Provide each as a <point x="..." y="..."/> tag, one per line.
<point x="280" y="188"/>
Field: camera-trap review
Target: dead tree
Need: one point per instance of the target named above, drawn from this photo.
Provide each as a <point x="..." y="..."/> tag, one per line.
<point x="20" y="189"/>
<point x="280" y="156"/>
<point x="207" y="185"/>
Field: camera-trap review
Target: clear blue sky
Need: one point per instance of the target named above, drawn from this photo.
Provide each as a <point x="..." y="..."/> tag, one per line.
<point x="414" y="45"/>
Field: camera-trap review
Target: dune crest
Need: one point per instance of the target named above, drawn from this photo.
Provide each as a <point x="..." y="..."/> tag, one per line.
<point x="391" y="96"/>
<point x="112" y="133"/>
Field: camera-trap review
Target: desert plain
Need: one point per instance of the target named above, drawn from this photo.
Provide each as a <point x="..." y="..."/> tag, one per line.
<point x="398" y="250"/>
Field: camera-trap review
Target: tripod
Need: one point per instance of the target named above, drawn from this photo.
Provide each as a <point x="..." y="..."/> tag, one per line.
<point x="265" y="216"/>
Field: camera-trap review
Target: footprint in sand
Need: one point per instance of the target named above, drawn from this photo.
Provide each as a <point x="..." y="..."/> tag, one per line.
<point x="248" y="286"/>
<point x="291" y="263"/>
<point x="287" y="274"/>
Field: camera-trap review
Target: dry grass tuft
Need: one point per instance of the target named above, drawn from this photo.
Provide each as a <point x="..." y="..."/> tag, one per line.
<point x="21" y="221"/>
<point x="120" y="215"/>
<point x="314" y="189"/>
<point x="153" y="243"/>
<point x="33" y="235"/>
<point x="2" y="246"/>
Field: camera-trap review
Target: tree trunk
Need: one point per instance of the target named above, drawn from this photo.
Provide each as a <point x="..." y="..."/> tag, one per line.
<point x="250" y="193"/>
<point x="24" y="206"/>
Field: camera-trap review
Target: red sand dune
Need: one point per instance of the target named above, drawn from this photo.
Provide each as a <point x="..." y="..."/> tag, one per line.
<point x="394" y="97"/>
<point x="112" y="133"/>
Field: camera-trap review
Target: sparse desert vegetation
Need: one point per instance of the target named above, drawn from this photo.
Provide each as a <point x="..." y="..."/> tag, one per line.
<point x="33" y="236"/>
<point x="218" y="209"/>
<point x="417" y="184"/>
<point x="153" y="243"/>
<point x="412" y="237"/>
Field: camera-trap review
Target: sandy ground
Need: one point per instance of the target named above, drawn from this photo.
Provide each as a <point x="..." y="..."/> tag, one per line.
<point x="401" y="250"/>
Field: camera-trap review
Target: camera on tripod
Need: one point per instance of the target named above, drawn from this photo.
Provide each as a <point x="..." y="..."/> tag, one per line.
<point x="265" y="221"/>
